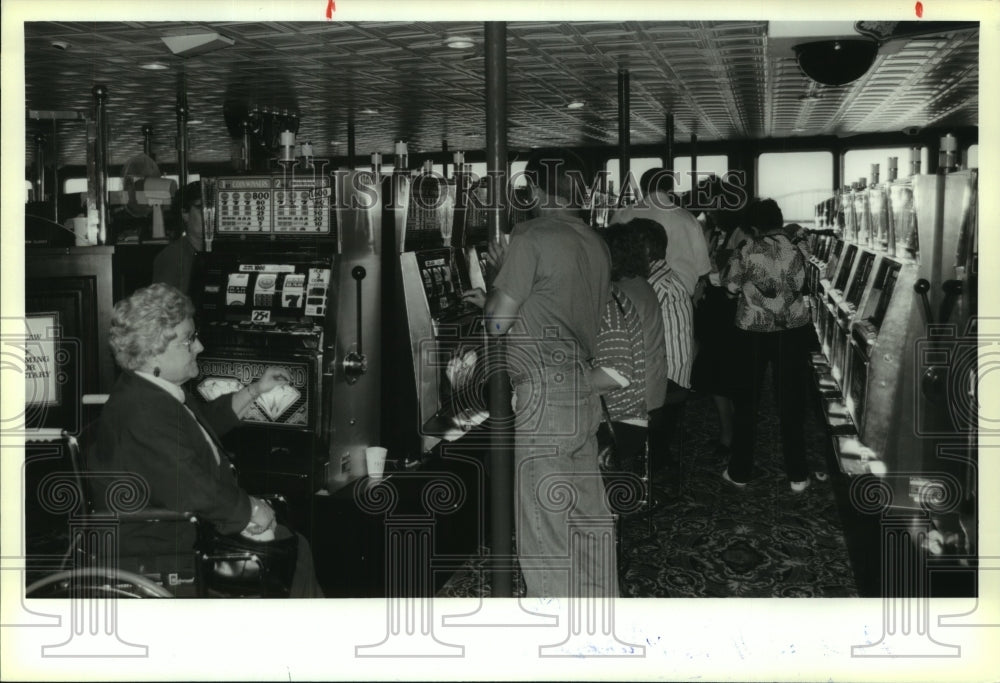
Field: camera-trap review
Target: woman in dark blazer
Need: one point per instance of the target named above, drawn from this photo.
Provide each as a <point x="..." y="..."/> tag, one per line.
<point x="152" y="427"/>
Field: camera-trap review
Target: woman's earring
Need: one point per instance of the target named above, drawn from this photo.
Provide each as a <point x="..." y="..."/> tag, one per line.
<point x="156" y="371"/>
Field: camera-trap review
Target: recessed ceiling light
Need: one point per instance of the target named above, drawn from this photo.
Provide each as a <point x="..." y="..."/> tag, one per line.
<point x="575" y="104"/>
<point x="334" y="142"/>
<point x="195" y="122"/>
<point x="459" y="42"/>
<point x="60" y="44"/>
<point x="369" y="110"/>
<point x="153" y="66"/>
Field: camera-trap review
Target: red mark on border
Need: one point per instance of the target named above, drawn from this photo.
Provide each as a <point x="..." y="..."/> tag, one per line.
<point x="331" y="7"/>
<point x="919" y="8"/>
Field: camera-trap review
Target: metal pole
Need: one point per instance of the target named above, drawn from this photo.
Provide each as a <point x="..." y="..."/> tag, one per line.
<point x="694" y="162"/>
<point x="624" y="161"/>
<point x="501" y="418"/>
<point x="40" y="167"/>
<point x="147" y="141"/>
<point x="351" y="143"/>
<point x="100" y="194"/>
<point x="668" y="152"/>
<point x="55" y="169"/>
<point x="182" y="144"/>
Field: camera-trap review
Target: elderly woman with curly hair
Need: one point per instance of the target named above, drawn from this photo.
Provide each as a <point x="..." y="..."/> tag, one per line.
<point x="153" y="428"/>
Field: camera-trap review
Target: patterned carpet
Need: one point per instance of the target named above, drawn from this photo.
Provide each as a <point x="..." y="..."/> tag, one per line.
<point x="712" y="540"/>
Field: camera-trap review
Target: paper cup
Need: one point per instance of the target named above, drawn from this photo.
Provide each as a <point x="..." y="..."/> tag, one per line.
<point x="375" y="459"/>
<point x="81" y="229"/>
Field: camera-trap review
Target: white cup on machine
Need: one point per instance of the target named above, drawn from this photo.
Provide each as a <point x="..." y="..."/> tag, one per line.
<point x="375" y="460"/>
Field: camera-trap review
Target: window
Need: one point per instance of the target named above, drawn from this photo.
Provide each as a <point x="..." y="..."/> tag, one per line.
<point x="29" y="189"/>
<point x="636" y="167"/>
<point x="798" y="181"/>
<point x="972" y="157"/>
<point x="717" y="165"/>
<point x="78" y="185"/>
<point x="517" y="173"/>
<point x="75" y="185"/>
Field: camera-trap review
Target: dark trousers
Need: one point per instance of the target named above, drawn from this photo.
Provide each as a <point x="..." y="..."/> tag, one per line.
<point x="663" y="423"/>
<point x="787" y="353"/>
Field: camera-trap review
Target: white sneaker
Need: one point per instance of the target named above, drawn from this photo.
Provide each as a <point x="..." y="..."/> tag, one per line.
<point x="799" y="486"/>
<point x="726" y="477"/>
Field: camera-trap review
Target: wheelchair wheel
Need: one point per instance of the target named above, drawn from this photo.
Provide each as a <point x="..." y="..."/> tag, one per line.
<point x="92" y="582"/>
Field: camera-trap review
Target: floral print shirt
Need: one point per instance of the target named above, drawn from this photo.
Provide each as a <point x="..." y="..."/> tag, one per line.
<point x="768" y="273"/>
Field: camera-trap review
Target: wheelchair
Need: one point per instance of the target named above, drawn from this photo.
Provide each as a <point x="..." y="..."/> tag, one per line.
<point x="218" y="566"/>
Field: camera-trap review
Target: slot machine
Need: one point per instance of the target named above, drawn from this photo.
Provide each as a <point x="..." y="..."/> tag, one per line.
<point x="280" y="287"/>
<point x="942" y="354"/>
<point x="436" y="346"/>
<point x="912" y="352"/>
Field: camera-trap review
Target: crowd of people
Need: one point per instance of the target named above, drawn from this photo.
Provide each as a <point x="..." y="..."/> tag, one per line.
<point x="616" y="325"/>
<point x="623" y="329"/>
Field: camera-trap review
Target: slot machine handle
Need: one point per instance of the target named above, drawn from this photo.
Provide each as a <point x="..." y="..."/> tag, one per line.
<point x="355" y="362"/>
<point x="952" y="290"/>
<point x="921" y="287"/>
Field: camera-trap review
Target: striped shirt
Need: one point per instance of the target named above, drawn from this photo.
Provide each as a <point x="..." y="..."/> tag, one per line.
<point x="678" y="321"/>
<point x="621" y="355"/>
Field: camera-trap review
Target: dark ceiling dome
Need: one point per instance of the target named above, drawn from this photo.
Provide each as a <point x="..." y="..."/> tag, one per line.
<point x="836" y="62"/>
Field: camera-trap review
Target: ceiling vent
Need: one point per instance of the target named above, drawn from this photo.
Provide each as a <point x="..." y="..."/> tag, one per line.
<point x="836" y="62"/>
<point x="192" y="44"/>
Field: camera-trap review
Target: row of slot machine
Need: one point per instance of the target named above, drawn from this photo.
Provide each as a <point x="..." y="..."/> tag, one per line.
<point x="291" y="280"/>
<point x="893" y="278"/>
<point x="438" y="234"/>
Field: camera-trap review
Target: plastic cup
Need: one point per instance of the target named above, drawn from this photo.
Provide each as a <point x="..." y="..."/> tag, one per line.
<point x="375" y="459"/>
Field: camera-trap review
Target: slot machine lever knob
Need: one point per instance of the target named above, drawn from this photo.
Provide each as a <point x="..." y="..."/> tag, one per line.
<point x="355" y="362"/>
<point x="921" y="287"/>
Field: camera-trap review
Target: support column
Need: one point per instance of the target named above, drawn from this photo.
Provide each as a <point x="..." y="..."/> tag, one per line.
<point x="626" y="193"/>
<point x="668" y="152"/>
<point x="351" y="143"/>
<point x="97" y="181"/>
<point x="501" y="423"/>
<point x="182" y="144"/>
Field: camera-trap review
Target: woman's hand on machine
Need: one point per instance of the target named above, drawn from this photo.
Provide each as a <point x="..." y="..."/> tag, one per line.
<point x="273" y="377"/>
<point x="261" y="517"/>
<point x="475" y="296"/>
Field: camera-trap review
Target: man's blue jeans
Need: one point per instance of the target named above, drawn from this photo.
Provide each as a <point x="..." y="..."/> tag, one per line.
<point x="565" y="531"/>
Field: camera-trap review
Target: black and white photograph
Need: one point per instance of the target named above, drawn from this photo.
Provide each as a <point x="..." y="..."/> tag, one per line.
<point x="499" y="341"/>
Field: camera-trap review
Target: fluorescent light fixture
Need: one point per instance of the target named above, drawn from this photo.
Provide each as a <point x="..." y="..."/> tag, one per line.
<point x="810" y="29"/>
<point x="368" y="110"/>
<point x="459" y="42"/>
<point x="193" y="44"/>
<point x="575" y="104"/>
<point x="153" y="66"/>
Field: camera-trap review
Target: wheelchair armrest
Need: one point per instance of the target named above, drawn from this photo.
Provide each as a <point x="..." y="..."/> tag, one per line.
<point x="157" y="515"/>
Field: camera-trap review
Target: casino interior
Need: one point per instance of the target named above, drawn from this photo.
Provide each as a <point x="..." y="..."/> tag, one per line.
<point x="345" y="190"/>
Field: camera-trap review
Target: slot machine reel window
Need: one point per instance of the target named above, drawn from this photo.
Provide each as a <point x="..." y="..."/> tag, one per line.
<point x="845" y="268"/>
<point x="860" y="278"/>
<point x="885" y="282"/>
<point x="260" y="297"/>
<point x="441" y="284"/>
